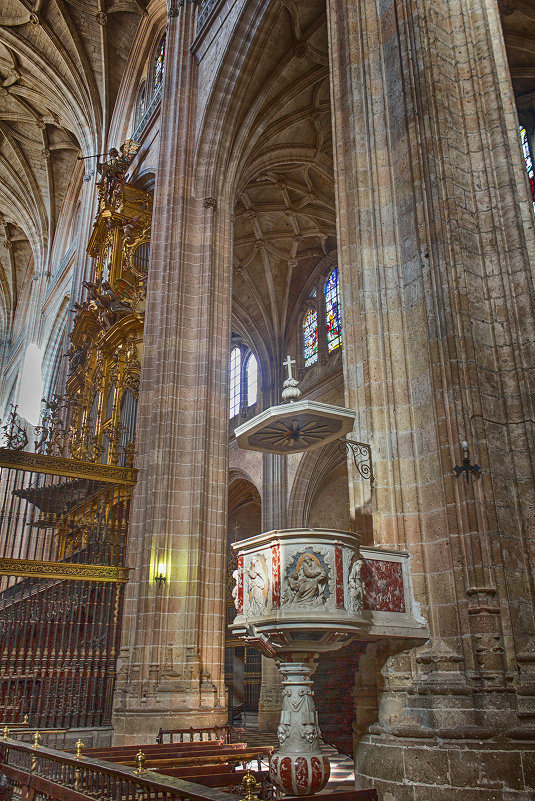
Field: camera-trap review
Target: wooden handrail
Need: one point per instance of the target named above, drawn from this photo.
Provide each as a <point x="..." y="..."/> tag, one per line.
<point x="70" y="779"/>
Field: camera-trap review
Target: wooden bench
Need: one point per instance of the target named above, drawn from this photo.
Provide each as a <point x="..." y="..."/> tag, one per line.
<point x="223" y="755"/>
<point x="112" y="753"/>
<point x="222" y="776"/>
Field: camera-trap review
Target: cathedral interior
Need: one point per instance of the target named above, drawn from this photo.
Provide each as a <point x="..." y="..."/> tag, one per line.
<point x="195" y="199"/>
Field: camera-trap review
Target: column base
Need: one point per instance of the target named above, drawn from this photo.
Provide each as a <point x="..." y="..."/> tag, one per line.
<point x="402" y="769"/>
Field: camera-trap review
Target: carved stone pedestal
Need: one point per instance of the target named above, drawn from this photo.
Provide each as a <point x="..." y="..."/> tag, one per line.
<point x="302" y="592"/>
<point x="299" y="767"/>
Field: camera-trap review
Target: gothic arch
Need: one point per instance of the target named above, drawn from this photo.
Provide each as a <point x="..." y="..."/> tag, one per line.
<point x="313" y="469"/>
<point x="244" y="506"/>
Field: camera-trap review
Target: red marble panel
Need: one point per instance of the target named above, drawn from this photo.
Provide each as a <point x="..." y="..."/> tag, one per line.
<point x="383" y="586"/>
<point x="301" y="775"/>
<point x="276" y="574"/>
<point x="240" y="585"/>
<point x="317" y="775"/>
<point x="285" y="774"/>
<point x="339" y="568"/>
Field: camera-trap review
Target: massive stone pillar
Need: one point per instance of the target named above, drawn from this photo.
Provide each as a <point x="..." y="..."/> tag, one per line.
<point x="171" y="659"/>
<point x="435" y="230"/>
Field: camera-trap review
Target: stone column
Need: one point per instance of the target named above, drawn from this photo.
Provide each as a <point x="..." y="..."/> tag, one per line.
<point x="274" y="491"/>
<point x="171" y="666"/>
<point x="270" y="701"/>
<point x="435" y="230"/>
<point x="274" y="516"/>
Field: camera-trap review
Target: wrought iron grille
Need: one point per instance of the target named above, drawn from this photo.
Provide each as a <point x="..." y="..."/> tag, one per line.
<point x="63" y="529"/>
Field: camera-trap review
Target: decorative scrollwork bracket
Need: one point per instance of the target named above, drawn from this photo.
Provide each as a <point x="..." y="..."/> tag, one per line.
<point x="15" y="436"/>
<point x="362" y="458"/>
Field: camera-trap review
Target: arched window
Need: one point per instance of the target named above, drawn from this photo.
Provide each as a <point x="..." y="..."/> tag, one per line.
<point x="141" y="103"/>
<point x="310" y="337"/>
<point x="331" y="291"/>
<point x="251" y="379"/>
<point x="244" y="380"/>
<point x="528" y="158"/>
<point x="235" y="381"/>
<point x="159" y="65"/>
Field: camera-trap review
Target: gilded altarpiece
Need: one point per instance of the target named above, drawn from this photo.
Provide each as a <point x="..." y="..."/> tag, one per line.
<point x="105" y="356"/>
<point x="64" y="504"/>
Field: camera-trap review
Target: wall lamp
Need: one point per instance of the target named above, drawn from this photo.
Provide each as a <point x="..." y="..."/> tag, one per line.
<point x="160" y="578"/>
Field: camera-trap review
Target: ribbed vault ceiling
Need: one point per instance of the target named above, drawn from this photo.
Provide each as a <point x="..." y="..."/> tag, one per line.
<point x="61" y="62"/>
<point x="285" y="213"/>
<point x="60" y="67"/>
<point x="518" y="20"/>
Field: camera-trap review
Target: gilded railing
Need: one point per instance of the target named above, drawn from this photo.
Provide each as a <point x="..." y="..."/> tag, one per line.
<point x="57" y="775"/>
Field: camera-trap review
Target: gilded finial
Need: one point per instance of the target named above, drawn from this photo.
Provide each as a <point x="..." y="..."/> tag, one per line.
<point x="140" y="762"/>
<point x="79" y="745"/>
<point x="6" y="732"/>
<point x="36" y="739"/>
<point x="248" y="783"/>
<point x="25" y="720"/>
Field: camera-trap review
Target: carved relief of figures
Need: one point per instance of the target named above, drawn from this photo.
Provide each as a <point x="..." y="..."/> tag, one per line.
<point x="235" y="590"/>
<point x="114" y="170"/>
<point x="356" y="585"/>
<point x="307" y="583"/>
<point x="104" y="300"/>
<point x="257" y="584"/>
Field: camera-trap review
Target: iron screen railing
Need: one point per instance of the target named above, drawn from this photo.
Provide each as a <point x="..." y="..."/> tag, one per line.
<point x="57" y="775"/>
<point x="63" y="530"/>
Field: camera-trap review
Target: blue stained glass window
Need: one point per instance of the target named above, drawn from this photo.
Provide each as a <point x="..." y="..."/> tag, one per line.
<point x="159" y="64"/>
<point x="331" y="290"/>
<point x="310" y="337"/>
<point x="529" y="160"/>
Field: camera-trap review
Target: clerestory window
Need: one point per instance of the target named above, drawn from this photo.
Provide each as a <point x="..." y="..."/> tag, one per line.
<point x="159" y="65"/>
<point x="243" y="380"/>
<point x="528" y="159"/>
<point x="321" y="324"/>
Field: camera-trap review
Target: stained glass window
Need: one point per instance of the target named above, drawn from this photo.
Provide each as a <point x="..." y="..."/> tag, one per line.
<point x="529" y="161"/>
<point x="310" y="337"/>
<point x="235" y="382"/>
<point x="159" y="64"/>
<point x="331" y="290"/>
<point x="251" y="373"/>
<point x="141" y="103"/>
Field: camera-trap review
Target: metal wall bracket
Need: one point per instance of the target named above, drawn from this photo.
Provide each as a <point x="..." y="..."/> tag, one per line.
<point x="362" y="458"/>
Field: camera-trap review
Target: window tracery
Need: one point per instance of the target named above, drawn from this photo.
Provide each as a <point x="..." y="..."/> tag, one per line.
<point x="149" y="90"/>
<point x="331" y="290"/>
<point x="321" y="323"/>
<point x="159" y="65"/>
<point x="141" y="105"/>
<point x="235" y="381"/>
<point x="310" y="336"/>
<point x="528" y="159"/>
<point x="244" y="380"/>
